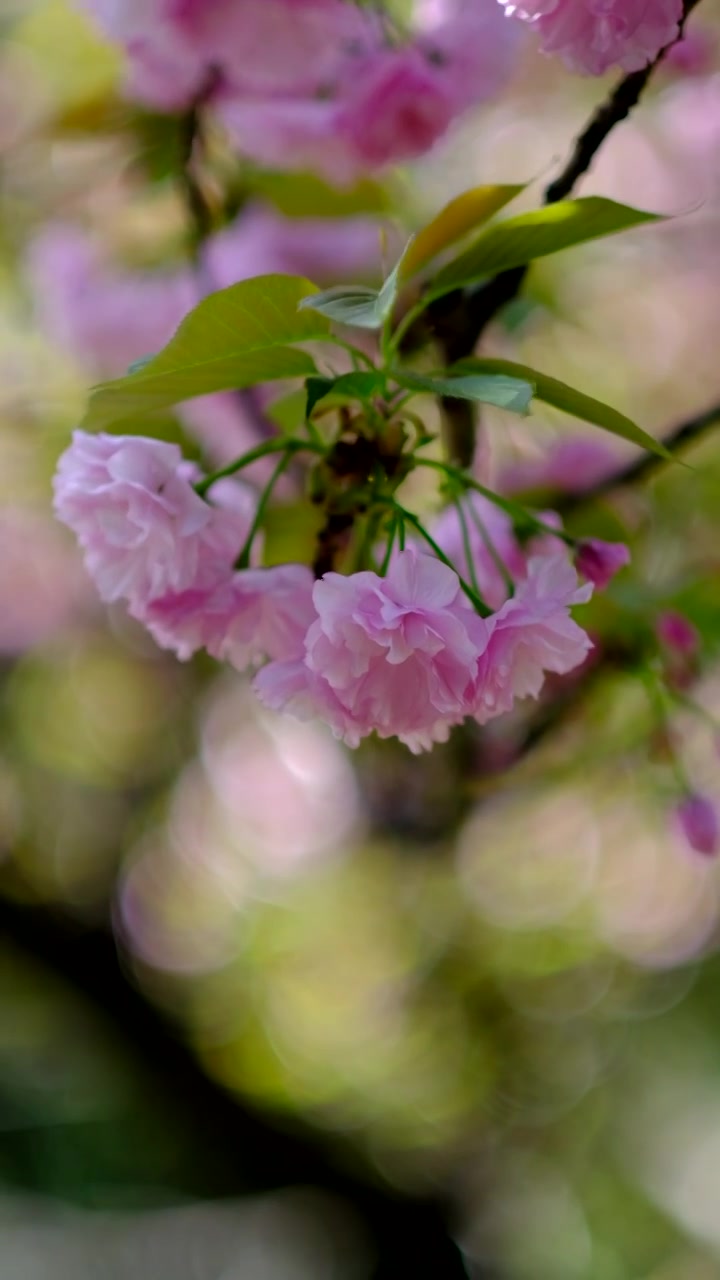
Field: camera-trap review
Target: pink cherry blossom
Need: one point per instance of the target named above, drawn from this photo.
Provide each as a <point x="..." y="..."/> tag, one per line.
<point x="599" y="561"/>
<point x="270" y="47"/>
<point x="143" y="529"/>
<point x="248" y="616"/>
<point x="398" y="109"/>
<point x="392" y="655"/>
<point x="292" y="133"/>
<point x="530" y="635"/>
<point x="697" y="820"/>
<point x="165" y="70"/>
<point x="178" y="49"/>
<point x="471" y="46"/>
<point x="592" y="36"/>
<point x="261" y="241"/>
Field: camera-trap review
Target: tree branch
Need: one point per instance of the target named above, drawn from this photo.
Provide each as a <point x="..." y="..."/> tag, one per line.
<point x="643" y="467"/>
<point x="463" y="316"/>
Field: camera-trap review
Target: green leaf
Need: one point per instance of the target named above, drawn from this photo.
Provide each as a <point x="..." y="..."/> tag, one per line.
<point x="352" y="304"/>
<point x="499" y="389"/>
<point x="355" y="304"/>
<point x="232" y="339"/>
<point x="361" y="384"/>
<point x="520" y="240"/>
<point x="461" y="216"/>
<point x="561" y="396"/>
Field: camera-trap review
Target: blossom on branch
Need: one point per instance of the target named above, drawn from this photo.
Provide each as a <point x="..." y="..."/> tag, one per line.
<point x="591" y="36"/>
<point x="530" y="635"/>
<point x="143" y="529"/>
<point x="246" y="617"/>
<point x="392" y="655"/>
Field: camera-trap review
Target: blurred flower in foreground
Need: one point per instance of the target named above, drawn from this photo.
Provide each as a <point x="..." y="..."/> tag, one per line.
<point x="40" y="579"/>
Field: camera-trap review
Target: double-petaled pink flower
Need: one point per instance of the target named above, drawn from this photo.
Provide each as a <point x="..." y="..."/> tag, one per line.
<point x="592" y="36"/>
<point x="406" y="656"/>
<point x="391" y="655"/>
<point x="530" y="635"/>
<point x="143" y="529"/>
<point x="247" y="617"/>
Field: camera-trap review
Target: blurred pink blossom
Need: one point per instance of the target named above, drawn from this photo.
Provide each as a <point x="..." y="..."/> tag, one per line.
<point x="677" y="633"/>
<point x="105" y="316"/>
<point x="397" y="109"/>
<point x="315" y="84"/>
<point x="143" y="529"/>
<point x="592" y="36"/>
<point x="324" y="249"/>
<point x="40" y="575"/>
<point x="694" y="55"/>
<point x="569" y="465"/>
<point x="108" y="316"/>
<point x="177" y="49"/>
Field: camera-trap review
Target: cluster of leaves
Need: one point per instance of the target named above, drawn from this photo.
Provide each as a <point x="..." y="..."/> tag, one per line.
<point x="274" y="328"/>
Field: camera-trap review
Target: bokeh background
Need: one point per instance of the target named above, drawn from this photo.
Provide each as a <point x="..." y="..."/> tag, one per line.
<point x="271" y="1009"/>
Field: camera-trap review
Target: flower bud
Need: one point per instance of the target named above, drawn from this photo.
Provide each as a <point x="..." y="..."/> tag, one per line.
<point x="698" y="821"/>
<point x="599" y="561"/>
<point x="677" y="633"/>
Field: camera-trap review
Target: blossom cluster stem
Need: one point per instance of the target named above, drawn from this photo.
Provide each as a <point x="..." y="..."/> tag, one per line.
<point x="409" y="517"/>
<point x="289" y="447"/>
<point x="243" y="559"/>
<point x="515" y="510"/>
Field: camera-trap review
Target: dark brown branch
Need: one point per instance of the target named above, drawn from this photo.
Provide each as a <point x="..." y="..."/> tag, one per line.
<point x="645" y="466"/>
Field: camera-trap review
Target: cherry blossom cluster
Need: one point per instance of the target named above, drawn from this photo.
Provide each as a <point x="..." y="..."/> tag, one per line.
<point x="403" y="654"/>
<point x="324" y="84"/>
<point x="591" y="36"/>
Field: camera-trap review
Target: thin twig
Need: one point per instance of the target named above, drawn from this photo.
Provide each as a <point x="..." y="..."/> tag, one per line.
<point x="643" y="467"/>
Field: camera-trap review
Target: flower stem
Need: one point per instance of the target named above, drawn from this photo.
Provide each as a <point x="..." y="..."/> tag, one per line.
<point x="289" y="447"/>
<point x="243" y="559"/>
<point x="516" y="510"/>
<point x="407" y="516"/>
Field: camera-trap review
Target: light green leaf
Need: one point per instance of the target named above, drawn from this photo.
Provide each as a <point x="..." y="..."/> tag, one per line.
<point x="499" y="389"/>
<point x="355" y="304"/>
<point x="520" y="240"/>
<point x="232" y="339"/>
<point x="352" y="304"/>
<point x="461" y="216"/>
<point x="561" y="396"/>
